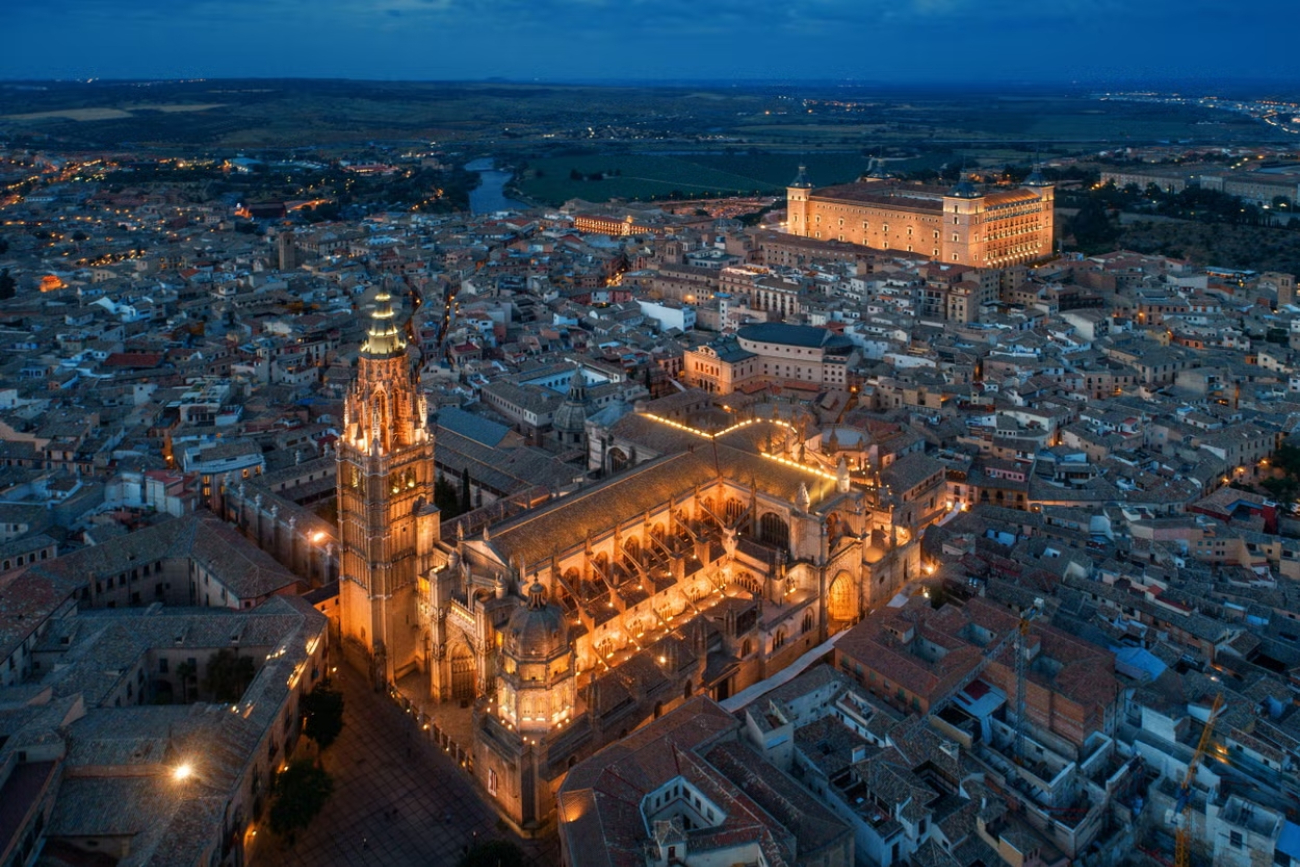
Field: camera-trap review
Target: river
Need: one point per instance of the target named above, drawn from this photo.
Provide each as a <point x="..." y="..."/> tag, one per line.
<point x="490" y="195"/>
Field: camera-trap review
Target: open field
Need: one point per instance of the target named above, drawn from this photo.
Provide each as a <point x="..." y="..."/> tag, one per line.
<point x="642" y="176"/>
<point x="92" y="114"/>
<point x="501" y="115"/>
<point x="645" y="176"/>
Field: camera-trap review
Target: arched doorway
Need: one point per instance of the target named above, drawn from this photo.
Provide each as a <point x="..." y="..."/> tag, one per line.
<point x="618" y="460"/>
<point x="746" y="579"/>
<point x="462" y="674"/>
<point x="842" y="605"/>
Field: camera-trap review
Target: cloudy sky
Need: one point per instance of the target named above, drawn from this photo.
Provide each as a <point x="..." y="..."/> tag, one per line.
<point x="880" y="40"/>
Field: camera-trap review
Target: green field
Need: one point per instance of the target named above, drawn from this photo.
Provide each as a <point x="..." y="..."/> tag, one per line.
<point x="503" y="116"/>
<point x="657" y="176"/>
<point x="648" y="176"/>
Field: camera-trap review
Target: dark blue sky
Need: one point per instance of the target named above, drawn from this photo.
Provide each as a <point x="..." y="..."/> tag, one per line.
<point x="880" y="40"/>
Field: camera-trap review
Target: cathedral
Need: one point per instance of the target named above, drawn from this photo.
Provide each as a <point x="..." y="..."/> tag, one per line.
<point x="711" y="557"/>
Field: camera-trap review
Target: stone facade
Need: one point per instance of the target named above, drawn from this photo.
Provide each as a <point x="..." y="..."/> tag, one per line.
<point x="989" y="228"/>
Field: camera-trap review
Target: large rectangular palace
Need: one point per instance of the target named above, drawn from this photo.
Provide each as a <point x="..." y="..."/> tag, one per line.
<point x="970" y="226"/>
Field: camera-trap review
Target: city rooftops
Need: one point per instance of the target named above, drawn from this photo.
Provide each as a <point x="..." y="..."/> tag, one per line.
<point x="791" y="335"/>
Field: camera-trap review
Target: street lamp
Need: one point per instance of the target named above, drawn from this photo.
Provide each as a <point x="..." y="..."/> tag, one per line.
<point x="182" y="772"/>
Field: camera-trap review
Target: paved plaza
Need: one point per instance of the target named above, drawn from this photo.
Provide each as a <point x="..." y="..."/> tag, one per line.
<point x="398" y="800"/>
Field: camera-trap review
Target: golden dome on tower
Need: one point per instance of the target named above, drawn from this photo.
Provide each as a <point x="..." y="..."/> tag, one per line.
<point x="383" y="337"/>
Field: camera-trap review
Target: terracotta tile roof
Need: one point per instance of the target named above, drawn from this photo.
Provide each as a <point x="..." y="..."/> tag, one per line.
<point x="535" y="535"/>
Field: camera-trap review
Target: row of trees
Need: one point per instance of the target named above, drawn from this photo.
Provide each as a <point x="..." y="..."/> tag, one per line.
<point x="301" y="790"/>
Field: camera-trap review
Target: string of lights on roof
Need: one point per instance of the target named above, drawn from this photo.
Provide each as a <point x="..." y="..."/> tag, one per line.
<point x="742" y="424"/>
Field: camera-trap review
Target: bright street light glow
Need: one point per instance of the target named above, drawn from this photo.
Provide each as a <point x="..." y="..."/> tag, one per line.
<point x="182" y="771"/>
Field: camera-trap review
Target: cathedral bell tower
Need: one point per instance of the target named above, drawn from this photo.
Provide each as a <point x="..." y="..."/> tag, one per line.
<point x="388" y="525"/>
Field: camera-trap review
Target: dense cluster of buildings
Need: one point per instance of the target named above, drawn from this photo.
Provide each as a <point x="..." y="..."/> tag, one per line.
<point x="703" y="544"/>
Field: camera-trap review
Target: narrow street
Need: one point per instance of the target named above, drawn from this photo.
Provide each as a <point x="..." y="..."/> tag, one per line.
<point x="397" y="799"/>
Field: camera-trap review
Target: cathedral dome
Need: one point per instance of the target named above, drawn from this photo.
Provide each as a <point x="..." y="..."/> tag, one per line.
<point x="572" y="414"/>
<point x="875" y="550"/>
<point x="538" y="630"/>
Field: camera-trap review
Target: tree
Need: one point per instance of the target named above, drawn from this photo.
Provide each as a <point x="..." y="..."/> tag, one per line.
<point x="445" y="497"/>
<point x="186" y="672"/>
<point x="301" y="791"/>
<point x="493" y="853"/>
<point x="322" y="714"/>
<point x="1092" y="228"/>
<point x="465" y="503"/>
<point x="1287" y="459"/>
<point x="229" y="674"/>
<point x="1284" y="489"/>
<point x="8" y="286"/>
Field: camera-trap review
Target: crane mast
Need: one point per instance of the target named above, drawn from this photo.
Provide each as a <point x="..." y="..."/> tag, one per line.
<point x="1183" y="806"/>
<point x="1017" y="636"/>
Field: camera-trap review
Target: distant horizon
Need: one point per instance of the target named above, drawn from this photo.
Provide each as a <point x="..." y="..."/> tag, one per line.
<point x="1079" y="85"/>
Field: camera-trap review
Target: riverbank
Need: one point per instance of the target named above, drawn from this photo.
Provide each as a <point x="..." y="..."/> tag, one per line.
<point x="491" y="194"/>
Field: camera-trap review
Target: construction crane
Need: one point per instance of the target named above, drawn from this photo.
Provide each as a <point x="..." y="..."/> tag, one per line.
<point x="1022" y="662"/>
<point x="1183" y="806"/>
<point x="1018" y="636"/>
